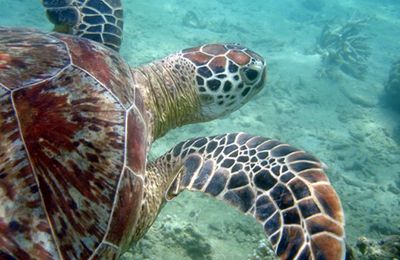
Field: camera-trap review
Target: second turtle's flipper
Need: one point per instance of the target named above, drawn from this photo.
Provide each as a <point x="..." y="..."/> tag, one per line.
<point x="284" y="188"/>
<point x="98" y="20"/>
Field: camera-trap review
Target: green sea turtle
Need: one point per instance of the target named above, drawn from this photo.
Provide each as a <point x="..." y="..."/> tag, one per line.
<point x="76" y="124"/>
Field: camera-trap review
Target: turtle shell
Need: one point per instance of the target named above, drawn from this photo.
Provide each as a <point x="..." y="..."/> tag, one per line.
<point x="72" y="147"/>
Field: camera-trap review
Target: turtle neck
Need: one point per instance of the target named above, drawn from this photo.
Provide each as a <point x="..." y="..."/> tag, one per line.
<point x="169" y="96"/>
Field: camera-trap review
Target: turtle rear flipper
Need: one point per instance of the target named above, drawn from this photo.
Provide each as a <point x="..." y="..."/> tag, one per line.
<point x="284" y="188"/>
<point x="98" y="20"/>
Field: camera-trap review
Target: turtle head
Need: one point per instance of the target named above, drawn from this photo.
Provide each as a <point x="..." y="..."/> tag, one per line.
<point x="226" y="77"/>
<point x="198" y="84"/>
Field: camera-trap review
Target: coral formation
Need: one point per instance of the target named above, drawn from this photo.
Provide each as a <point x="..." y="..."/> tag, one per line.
<point x="344" y="47"/>
<point x="365" y="249"/>
<point x="392" y="86"/>
<point x="387" y="248"/>
<point x="180" y="238"/>
<point x="263" y="252"/>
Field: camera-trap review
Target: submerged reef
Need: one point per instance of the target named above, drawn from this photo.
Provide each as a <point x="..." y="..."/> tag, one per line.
<point x="364" y="249"/>
<point x="171" y="239"/>
<point x="387" y="248"/>
<point x="263" y="252"/>
<point x="344" y="47"/>
<point x="392" y="86"/>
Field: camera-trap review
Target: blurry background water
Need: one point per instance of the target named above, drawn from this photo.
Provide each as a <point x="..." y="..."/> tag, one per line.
<point x="329" y="92"/>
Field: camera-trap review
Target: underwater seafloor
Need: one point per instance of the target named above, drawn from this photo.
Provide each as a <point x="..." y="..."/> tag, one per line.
<point x="317" y="98"/>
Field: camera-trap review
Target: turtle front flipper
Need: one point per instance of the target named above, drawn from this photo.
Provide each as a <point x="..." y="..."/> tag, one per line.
<point x="98" y="20"/>
<point x="284" y="188"/>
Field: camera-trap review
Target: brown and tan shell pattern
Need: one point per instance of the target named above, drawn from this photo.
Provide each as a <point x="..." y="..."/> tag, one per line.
<point x="72" y="148"/>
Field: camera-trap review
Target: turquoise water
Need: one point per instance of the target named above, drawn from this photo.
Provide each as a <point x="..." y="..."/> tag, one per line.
<point x="310" y="102"/>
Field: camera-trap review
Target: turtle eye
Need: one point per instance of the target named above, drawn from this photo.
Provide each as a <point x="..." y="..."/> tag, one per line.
<point x="250" y="74"/>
